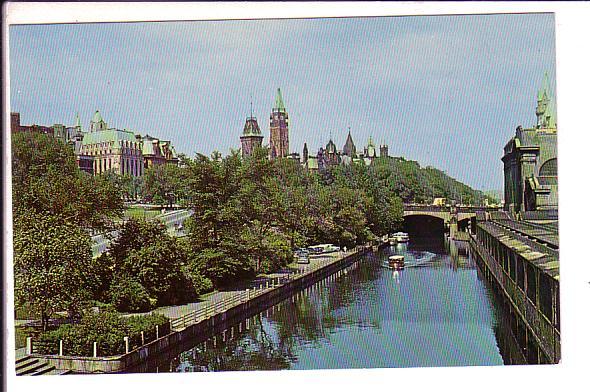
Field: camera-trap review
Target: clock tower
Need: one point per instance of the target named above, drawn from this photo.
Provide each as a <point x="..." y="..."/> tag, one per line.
<point x="279" y="129"/>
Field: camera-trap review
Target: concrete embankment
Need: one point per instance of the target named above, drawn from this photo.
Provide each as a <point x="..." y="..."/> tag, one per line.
<point x="193" y="329"/>
<point x="525" y="275"/>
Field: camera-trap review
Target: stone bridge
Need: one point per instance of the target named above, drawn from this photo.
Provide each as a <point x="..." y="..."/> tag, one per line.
<point x="450" y="215"/>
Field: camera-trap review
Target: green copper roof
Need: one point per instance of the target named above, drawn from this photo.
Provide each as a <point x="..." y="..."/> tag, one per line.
<point x="544" y="91"/>
<point x="371" y="144"/>
<point x="550" y="114"/>
<point x="251" y="127"/>
<point x="279" y="104"/>
<point x="114" y="135"/>
<point x="97" y="117"/>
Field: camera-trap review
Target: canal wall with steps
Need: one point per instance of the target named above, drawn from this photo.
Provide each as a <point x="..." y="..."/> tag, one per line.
<point x="189" y="334"/>
<point x="30" y="366"/>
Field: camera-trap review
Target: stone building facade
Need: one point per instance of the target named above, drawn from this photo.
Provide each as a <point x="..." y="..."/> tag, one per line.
<point x="157" y="152"/>
<point x="113" y="149"/>
<point x="103" y="149"/>
<point x="530" y="161"/>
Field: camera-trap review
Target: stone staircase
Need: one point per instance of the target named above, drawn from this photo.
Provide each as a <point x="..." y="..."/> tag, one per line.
<point x="29" y="366"/>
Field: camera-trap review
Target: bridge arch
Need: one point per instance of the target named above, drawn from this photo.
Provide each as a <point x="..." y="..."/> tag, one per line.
<point x="424" y="225"/>
<point x="436" y="220"/>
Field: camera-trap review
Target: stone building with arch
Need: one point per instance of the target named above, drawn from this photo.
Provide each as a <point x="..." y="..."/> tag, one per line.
<point x="530" y="161"/>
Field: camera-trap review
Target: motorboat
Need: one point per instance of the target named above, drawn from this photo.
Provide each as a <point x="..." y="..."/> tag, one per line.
<point x="396" y="262"/>
<point x="401" y="236"/>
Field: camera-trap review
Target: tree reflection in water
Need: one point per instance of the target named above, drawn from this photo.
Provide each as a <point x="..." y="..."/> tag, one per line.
<point x="268" y="340"/>
<point x="362" y="319"/>
<point x="252" y="349"/>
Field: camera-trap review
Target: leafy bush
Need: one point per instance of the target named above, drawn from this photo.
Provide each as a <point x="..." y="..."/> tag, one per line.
<point x="200" y="283"/>
<point x="128" y="295"/>
<point x="136" y="324"/>
<point x="108" y="329"/>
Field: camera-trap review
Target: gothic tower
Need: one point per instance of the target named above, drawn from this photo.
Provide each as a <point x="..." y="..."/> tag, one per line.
<point x="370" y="149"/>
<point x="279" y="129"/>
<point x="251" y="136"/>
<point x="305" y="153"/>
<point x="545" y="107"/>
<point x="349" y="148"/>
<point x="383" y="150"/>
<point x="97" y="124"/>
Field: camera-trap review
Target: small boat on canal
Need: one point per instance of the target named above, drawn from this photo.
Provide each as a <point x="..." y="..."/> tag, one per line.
<point x="397" y="262"/>
<point x="400" y="237"/>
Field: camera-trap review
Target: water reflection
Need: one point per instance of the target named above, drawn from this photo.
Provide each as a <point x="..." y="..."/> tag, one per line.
<point x="435" y="312"/>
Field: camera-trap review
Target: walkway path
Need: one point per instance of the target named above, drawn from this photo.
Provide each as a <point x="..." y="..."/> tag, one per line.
<point x="260" y="282"/>
<point x="222" y="300"/>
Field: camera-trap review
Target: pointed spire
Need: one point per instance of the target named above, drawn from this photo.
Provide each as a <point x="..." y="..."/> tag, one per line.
<point x="77" y="122"/>
<point x="545" y="110"/>
<point x="544" y="91"/>
<point x="251" y="112"/>
<point x="279" y="104"/>
<point x="251" y="127"/>
<point x="349" y="147"/>
<point x="97" y="117"/>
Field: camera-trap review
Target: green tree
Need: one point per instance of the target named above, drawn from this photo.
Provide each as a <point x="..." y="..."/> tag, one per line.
<point x="164" y="183"/>
<point x="46" y="179"/>
<point x="144" y="258"/>
<point x="262" y="205"/>
<point x="52" y="264"/>
<point x="158" y="268"/>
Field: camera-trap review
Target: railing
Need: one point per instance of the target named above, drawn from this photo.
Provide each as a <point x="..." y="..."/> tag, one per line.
<point x="228" y="302"/>
<point x="232" y="300"/>
<point x="94" y="349"/>
<point x="130" y="343"/>
<point x="459" y="209"/>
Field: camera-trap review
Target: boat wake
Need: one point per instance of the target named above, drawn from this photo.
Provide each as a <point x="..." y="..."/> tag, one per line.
<point x="423" y="259"/>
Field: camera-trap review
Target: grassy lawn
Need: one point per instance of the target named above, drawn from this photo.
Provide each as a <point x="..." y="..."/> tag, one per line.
<point x="137" y="212"/>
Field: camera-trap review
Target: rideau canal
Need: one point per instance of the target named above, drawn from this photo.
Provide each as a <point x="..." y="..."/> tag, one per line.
<point x="438" y="311"/>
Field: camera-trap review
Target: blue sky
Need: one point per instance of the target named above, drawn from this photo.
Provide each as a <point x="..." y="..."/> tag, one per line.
<point x="447" y="91"/>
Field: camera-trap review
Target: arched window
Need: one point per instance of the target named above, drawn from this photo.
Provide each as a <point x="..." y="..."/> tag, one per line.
<point x="549" y="168"/>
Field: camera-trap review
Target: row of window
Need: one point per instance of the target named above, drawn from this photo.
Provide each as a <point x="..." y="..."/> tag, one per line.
<point x="541" y="289"/>
<point x="88" y="150"/>
<point x="133" y="167"/>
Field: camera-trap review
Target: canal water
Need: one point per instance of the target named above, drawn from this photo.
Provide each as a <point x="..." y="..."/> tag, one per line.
<point x="438" y="311"/>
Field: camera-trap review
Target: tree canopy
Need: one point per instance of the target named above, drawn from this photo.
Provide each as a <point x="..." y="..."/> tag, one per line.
<point x="46" y="179"/>
<point x="52" y="264"/>
<point x="54" y="206"/>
